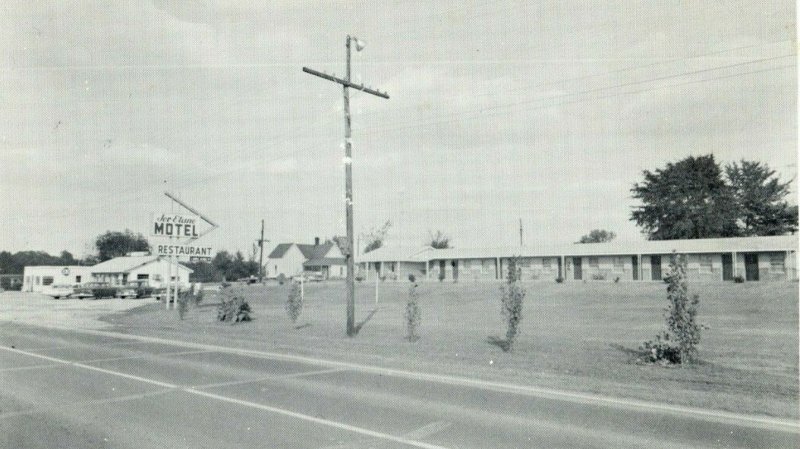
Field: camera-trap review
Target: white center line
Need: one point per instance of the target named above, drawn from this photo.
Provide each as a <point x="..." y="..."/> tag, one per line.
<point x="276" y="410"/>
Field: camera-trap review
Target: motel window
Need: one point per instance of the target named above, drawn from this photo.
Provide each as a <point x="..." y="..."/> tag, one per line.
<point x="488" y="266"/>
<point x="47" y="280"/>
<point x="142" y="277"/>
<point x="593" y="262"/>
<point x="77" y="279"/>
<point x="619" y="263"/>
<point x="157" y="277"/>
<point x="776" y="262"/>
<point x="546" y="263"/>
<point x="705" y="264"/>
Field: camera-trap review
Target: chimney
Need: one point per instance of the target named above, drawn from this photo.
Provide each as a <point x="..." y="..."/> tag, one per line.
<point x="316" y="241"/>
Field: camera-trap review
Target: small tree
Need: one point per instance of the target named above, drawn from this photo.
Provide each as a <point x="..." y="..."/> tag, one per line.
<point x="294" y="303"/>
<point x="598" y="236"/>
<point x="438" y="240"/>
<point x="412" y="314"/>
<point x="678" y="344"/>
<point x="376" y="236"/>
<point x="512" y="298"/>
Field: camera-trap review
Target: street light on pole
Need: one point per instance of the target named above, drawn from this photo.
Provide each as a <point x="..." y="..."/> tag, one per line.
<point x="348" y="170"/>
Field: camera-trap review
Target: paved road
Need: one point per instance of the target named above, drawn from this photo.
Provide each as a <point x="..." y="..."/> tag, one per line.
<point x="92" y="389"/>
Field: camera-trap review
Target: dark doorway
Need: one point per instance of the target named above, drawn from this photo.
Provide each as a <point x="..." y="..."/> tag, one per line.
<point x="442" y="266"/>
<point x="655" y="267"/>
<point x="635" y="267"/>
<point x="727" y="267"/>
<point x="577" y="261"/>
<point x="455" y="270"/>
<point x="751" y="267"/>
<point x="560" y="273"/>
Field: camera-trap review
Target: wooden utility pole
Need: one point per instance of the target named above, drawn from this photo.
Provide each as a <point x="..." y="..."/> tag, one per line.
<point x="348" y="171"/>
<point x="261" y="256"/>
<point x="520" y="233"/>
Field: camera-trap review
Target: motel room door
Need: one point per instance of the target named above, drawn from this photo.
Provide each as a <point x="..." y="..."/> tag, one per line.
<point x="727" y="267"/>
<point x="655" y="267"/>
<point x="578" y="268"/>
<point x="751" y="267"/>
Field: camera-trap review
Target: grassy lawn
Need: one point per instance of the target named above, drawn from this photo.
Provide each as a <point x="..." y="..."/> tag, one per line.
<point x="578" y="336"/>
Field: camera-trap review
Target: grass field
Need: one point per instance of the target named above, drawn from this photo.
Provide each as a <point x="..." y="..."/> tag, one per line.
<point x="579" y="337"/>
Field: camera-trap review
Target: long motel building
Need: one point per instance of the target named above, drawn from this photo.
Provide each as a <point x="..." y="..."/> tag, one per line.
<point x="752" y="259"/>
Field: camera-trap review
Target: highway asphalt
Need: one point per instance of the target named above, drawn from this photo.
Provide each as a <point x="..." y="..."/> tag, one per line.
<point x="95" y="389"/>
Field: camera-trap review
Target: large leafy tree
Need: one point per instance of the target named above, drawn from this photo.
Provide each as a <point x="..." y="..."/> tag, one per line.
<point x="598" y="236"/>
<point x="760" y="200"/>
<point x="688" y="199"/>
<point x="115" y="244"/>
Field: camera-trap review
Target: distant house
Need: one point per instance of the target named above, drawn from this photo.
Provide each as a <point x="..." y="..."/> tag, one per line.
<point x="291" y="259"/>
<point x="153" y="269"/>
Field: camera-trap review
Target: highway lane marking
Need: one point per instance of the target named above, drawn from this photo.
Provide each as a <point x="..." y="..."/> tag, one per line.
<point x="428" y="430"/>
<point x="55" y="348"/>
<point x="580" y="398"/>
<point x="93" y="368"/>
<point x="275" y="410"/>
<point x="131" y="397"/>
<point x="266" y="378"/>
<point x="134" y="357"/>
<point x="321" y="421"/>
<point x="30" y="367"/>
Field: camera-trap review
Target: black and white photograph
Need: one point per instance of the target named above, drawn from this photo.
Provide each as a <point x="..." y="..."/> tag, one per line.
<point x="349" y="224"/>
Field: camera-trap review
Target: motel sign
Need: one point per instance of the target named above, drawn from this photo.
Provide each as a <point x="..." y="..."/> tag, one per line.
<point x="174" y="225"/>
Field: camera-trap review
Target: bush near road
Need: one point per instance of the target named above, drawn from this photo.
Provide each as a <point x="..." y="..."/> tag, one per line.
<point x="583" y="337"/>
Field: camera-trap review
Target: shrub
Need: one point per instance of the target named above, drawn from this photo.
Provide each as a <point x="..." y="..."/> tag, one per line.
<point x="599" y="277"/>
<point x="234" y="310"/>
<point x="738" y="279"/>
<point x="412" y="314"/>
<point x="281" y="278"/>
<point x="294" y="303"/>
<point x="441" y="276"/>
<point x="511" y="300"/>
<point x="616" y="280"/>
<point x="678" y="344"/>
<point x="183" y="303"/>
<point x="559" y="280"/>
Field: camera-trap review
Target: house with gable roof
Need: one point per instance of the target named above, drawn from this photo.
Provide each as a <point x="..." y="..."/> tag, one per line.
<point x="291" y="259"/>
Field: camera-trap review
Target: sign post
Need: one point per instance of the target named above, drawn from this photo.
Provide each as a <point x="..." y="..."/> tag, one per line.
<point x="175" y="227"/>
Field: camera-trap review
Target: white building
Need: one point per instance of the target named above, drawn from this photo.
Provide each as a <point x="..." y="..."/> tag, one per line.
<point x="35" y="279"/>
<point x="153" y="269"/>
<point x="290" y="259"/>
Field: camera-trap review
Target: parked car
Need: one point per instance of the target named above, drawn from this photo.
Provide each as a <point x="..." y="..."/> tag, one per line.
<point x="310" y="276"/>
<point x="126" y="291"/>
<point x="58" y="291"/>
<point x="95" y="290"/>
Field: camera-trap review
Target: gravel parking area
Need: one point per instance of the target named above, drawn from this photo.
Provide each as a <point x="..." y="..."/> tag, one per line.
<point x="38" y="309"/>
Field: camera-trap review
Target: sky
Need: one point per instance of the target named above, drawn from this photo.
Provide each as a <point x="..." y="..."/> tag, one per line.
<point x="544" y="112"/>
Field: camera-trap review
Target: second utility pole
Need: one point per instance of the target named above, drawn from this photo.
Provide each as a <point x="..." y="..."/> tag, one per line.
<point x="348" y="171"/>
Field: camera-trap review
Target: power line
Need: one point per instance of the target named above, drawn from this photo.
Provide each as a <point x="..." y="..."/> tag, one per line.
<point x="373" y="130"/>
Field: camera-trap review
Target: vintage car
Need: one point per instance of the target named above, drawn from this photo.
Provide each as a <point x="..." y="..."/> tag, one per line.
<point x="95" y="290"/>
<point x="58" y="291"/>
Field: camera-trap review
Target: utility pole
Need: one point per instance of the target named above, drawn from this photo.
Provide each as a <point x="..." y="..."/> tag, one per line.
<point x="261" y="256"/>
<point x="348" y="171"/>
<point x="520" y="233"/>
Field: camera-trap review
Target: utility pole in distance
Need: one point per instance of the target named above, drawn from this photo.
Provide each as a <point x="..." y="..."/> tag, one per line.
<point x="261" y="257"/>
<point x="348" y="171"/>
